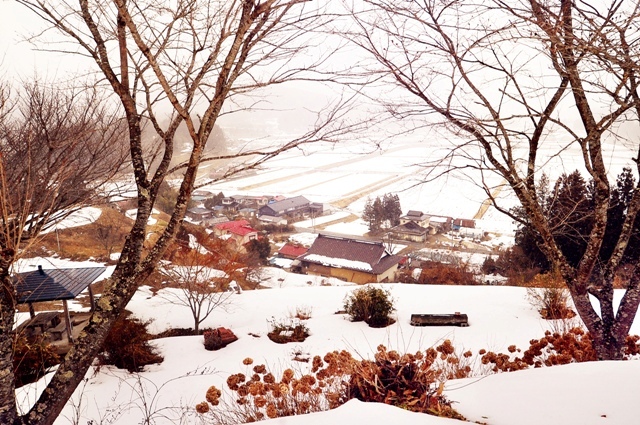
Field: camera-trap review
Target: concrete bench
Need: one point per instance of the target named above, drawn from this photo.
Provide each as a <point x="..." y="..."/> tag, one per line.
<point x="456" y="319"/>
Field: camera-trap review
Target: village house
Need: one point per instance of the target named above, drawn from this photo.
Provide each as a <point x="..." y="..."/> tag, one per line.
<point x="267" y="219"/>
<point x="292" y="250"/>
<point x="286" y="255"/>
<point x="409" y="231"/>
<point x="247" y="212"/>
<point x="200" y="214"/>
<point x="292" y="208"/>
<point x="200" y="195"/>
<point x="463" y="222"/>
<point x="249" y="201"/>
<point x="238" y="232"/>
<point x="467" y="228"/>
<point x="440" y="224"/>
<point x="417" y="217"/>
<point x="230" y="205"/>
<point x="348" y="259"/>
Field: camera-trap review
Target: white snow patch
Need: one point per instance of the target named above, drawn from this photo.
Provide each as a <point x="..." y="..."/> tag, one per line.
<point x="82" y="217"/>
<point x="339" y="262"/>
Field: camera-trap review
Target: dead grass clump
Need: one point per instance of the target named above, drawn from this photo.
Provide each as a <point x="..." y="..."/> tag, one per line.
<point x="574" y="346"/>
<point x="409" y="381"/>
<point x="301" y="313"/>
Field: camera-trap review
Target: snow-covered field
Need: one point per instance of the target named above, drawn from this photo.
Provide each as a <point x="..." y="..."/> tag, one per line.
<point x="594" y="393"/>
<point x="346" y="174"/>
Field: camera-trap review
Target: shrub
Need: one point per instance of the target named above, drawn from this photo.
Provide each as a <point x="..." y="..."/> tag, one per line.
<point x="212" y="340"/>
<point x="549" y="297"/>
<point x="32" y="358"/>
<point x="292" y="330"/>
<point x="436" y="273"/>
<point x="408" y="381"/>
<point x="371" y="305"/>
<point x="127" y="345"/>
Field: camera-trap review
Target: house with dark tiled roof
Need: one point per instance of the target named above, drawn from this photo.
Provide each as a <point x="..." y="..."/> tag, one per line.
<point x="409" y="231"/>
<point x="293" y="208"/>
<point x="417" y="217"/>
<point x="200" y="214"/>
<point x="349" y="259"/>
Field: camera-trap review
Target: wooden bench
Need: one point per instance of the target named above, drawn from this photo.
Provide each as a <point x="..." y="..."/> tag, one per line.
<point x="456" y="319"/>
<point x="57" y="332"/>
<point x="41" y="323"/>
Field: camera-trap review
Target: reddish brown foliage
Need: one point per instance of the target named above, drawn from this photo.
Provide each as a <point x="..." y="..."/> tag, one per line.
<point x="446" y="274"/>
<point x="127" y="346"/>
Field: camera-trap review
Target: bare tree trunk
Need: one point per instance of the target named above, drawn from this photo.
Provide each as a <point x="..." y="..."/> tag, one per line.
<point x="8" y="411"/>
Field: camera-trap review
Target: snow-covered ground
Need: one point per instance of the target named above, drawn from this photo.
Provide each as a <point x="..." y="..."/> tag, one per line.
<point x="81" y="217"/>
<point x="594" y="393"/>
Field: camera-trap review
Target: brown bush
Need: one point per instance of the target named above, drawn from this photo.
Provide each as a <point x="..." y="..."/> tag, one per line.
<point x="549" y="296"/>
<point x="446" y="274"/>
<point x="410" y="381"/>
<point x="32" y="358"/>
<point x="127" y="345"/>
<point x="574" y="346"/>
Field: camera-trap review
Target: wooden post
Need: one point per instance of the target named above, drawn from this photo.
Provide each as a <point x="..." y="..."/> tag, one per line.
<point x="67" y="320"/>
<point x="92" y="301"/>
<point x="32" y="311"/>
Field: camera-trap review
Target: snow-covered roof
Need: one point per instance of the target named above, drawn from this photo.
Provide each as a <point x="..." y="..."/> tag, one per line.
<point x="368" y="256"/>
<point x="339" y="262"/>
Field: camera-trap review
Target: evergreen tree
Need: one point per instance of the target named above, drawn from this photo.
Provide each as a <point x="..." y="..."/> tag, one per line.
<point x="571" y="215"/>
<point x="570" y="210"/>
<point x="392" y="209"/>
<point x="368" y="213"/>
<point x="378" y="214"/>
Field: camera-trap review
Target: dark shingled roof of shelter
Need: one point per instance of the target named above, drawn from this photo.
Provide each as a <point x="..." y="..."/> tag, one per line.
<point x="54" y="284"/>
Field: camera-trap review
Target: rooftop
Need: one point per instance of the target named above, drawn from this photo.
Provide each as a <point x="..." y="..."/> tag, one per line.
<point x="54" y="284"/>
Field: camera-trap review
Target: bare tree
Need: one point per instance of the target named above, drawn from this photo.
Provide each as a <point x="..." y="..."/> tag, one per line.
<point x="202" y="282"/>
<point x="522" y="85"/>
<point x="195" y="59"/>
<point x="58" y="150"/>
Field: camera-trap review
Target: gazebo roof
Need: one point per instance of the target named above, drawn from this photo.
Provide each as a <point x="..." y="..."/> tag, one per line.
<point x="54" y="284"/>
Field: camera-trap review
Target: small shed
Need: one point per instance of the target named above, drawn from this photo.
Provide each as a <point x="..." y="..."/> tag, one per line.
<point x="54" y="285"/>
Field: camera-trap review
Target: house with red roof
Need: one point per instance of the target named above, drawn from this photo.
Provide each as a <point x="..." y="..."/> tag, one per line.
<point x="292" y="250"/>
<point x="238" y="232"/>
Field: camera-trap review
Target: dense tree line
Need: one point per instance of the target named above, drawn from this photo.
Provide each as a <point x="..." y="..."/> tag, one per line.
<point x="569" y="204"/>
<point x="382" y="212"/>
